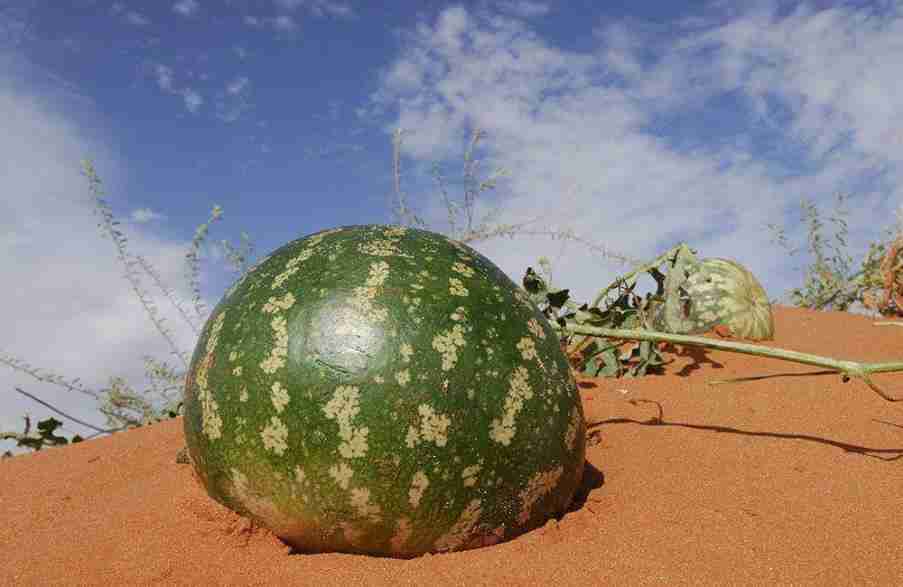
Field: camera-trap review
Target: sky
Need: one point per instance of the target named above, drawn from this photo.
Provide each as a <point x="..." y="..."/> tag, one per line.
<point x="635" y="125"/>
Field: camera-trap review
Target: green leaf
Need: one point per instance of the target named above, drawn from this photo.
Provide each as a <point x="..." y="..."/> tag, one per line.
<point x="533" y="283"/>
<point x="612" y="366"/>
<point x="558" y="298"/>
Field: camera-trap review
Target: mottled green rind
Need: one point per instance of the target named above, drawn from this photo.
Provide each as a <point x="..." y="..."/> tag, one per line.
<point x="725" y="292"/>
<point x="498" y="433"/>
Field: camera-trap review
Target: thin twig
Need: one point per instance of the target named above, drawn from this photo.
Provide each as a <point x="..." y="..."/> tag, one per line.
<point x="73" y="386"/>
<point x="109" y="224"/>
<point x="65" y="415"/>
<point x="848" y="368"/>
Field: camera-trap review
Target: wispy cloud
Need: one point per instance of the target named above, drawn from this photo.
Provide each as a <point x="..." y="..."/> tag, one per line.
<point x="164" y="77"/>
<point x="283" y="23"/>
<point x="524" y="8"/>
<point x="237" y="85"/>
<point x="129" y="16"/>
<point x="193" y="100"/>
<point x="143" y="215"/>
<point x="330" y="151"/>
<point x="136" y="18"/>
<point x="318" y="8"/>
<point x="233" y="101"/>
<point x="186" y="7"/>
<point x="622" y="144"/>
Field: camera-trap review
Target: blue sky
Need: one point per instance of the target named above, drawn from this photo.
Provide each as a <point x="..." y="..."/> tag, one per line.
<point x="634" y="124"/>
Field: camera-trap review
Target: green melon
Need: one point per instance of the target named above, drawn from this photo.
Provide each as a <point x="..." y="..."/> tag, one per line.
<point x="719" y="292"/>
<point x="383" y="390"/>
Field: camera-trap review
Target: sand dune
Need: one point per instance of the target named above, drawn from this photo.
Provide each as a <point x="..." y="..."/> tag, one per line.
<point x="795" y="478"/>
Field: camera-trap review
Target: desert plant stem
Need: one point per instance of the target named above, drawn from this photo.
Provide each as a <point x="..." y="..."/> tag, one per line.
<point x="848" y="368"/>
<point x="682" y="247"/>
<point x="119" y="240"/>
<point x="191" y="259"/>
<point x="65" y="415"/>
<point x="168" y="293"/>
<point x="73" y="386"/>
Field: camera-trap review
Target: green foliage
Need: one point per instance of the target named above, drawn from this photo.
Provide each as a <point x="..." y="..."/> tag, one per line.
<point x="44" y="436"/>
<point x="675" y="307"/>
<point x="597" y="356"/>
<point x="830" y="282"/>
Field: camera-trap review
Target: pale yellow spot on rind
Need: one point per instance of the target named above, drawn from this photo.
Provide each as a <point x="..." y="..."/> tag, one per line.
<point x="341" y="473"/>
<point x="211" y="421"/>
<point x="433" y="428"/>
<point x="344" y="405"/>
<point x="279" y="396"/>
<point x="419" y="484"/>
<point x="456" y="287"/>
<point x="447" y="343"/>
<point x="274" y="436"/>
<point x="503" y="430"/>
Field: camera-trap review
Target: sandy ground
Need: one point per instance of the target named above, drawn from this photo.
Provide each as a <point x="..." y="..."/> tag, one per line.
<point x="795" y="479"/>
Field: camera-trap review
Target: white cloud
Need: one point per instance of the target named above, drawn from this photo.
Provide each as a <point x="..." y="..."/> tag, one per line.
<point x="75" y="287"/>
<point x="318" y="8"/>
<point x="525" y="8"/>
<point x="237" y="85"/>
<point x="817" y="108"/>
<point x="284" y="22"/>
<point x="164" y="77"/>
<point x="186" y="7"/>
<point x="136" y="18"/>
<point x="142" y="215"/>
<point x="193" y="100"/>
<point x="328" y="151"/>
<point x="233" y="102"/>
<point x="836" y="69"/>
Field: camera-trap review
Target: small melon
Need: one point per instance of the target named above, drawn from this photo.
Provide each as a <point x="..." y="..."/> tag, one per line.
<point x="719" y="292"/>
<point x="383" y="390"/>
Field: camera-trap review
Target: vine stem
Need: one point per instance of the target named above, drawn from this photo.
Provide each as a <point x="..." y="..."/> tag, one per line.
<point x="848" y="368"/>
<point x="681" y="249"/>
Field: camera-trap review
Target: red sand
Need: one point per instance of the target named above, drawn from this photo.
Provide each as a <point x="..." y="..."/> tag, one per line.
<point x="795" y="478"/>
